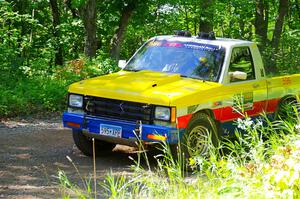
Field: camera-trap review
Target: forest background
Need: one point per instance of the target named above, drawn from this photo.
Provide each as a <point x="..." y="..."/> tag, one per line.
<point x="47" y="45"/>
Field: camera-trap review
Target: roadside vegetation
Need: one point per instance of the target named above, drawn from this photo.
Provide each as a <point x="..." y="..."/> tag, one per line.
<point x="261" y="162"/>
<point x="29" y="90"/>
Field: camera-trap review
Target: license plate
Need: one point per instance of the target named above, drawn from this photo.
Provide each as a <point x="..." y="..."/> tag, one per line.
<point x="110" y="130"/>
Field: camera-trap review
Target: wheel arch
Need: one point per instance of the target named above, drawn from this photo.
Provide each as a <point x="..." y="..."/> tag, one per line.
<point x="217" y="122"/>
<point x="209" y="112"/>
<point x="287" y="98"/>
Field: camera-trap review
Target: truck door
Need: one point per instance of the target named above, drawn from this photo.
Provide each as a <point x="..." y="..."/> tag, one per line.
<point x="244" y="97"/>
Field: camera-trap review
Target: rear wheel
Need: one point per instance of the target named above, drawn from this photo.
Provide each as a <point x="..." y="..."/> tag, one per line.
<point x="85" y="144"/>
<point x="289" y="110"/>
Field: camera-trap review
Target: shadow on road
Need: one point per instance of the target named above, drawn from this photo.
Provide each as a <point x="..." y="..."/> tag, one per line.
<point x="30" y="161"/>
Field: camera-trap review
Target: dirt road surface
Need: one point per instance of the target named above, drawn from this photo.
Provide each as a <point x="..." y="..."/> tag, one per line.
<point x="33" y="150"/>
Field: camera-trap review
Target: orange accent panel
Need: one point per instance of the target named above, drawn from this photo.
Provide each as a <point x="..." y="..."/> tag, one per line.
<point x="156" y="137"/>
<point x="73" y="124"/>
<point x="173" y="114"/>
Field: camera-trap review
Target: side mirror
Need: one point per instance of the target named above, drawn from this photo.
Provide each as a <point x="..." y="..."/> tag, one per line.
<point x="122" y="64"/>
<point x="237" y="75"/>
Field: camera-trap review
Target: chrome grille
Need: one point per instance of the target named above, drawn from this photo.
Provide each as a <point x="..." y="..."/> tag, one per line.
<point x="118" y="109"/>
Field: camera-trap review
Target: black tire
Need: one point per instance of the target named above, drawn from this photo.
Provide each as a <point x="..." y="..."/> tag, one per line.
<point x="85" y="144"/>
<point x="200" y="133"/>
<point x="288" y="109"/>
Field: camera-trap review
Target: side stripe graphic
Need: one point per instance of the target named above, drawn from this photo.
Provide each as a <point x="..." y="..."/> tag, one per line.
<point x="226" y="114"/>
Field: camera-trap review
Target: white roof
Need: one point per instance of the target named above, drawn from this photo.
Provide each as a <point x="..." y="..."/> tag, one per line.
<point x="225" y="42"/>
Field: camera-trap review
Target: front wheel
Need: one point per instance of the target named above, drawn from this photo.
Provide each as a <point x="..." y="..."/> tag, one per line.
<point x="200" y="134"/>
<point x="85" y="144"/>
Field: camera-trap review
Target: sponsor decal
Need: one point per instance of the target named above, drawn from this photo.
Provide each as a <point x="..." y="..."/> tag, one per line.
<point x="217" y="103"/>
<point x="191" y="45"/>
<point x="243" y="102"/>
<point x="286" y="81"/>
<point x="154" y="43"/>
<point x="165" y="44"/>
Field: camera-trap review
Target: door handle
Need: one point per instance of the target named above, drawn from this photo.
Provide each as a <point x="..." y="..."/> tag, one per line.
<point x="255" y="85"/>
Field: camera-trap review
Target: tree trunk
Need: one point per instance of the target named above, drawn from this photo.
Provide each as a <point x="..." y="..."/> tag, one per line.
<point x="89" y="21"/>
<point x="242" y="27"/>
<point x="118" y="37"/>
<point x="261" y="21"/>
<point x="186" y="18"/>
<point x="282" y="11"/>
<point x="73" y="10"/>
<point x="206" y="16"/>
<point x="56" y="33"/>
<point x="298" y="8"/>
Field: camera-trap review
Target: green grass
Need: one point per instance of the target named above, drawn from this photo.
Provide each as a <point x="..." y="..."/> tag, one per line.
<point x="263" y="163"/>
<point x="31" y="95"/>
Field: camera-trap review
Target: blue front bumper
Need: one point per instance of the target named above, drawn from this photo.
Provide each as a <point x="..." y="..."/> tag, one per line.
<point x="92" y="125"/>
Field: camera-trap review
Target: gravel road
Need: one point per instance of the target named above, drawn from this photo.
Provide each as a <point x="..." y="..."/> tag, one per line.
<point x="32" y="150"/>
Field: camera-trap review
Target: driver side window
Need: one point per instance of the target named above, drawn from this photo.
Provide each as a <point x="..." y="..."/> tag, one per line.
<point x="241" y="60"/>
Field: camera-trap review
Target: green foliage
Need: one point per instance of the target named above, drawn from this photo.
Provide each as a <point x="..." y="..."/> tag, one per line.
<point x="29" y="95"/>
<point x="28" y="90"/>
<point x="287" y="61"/>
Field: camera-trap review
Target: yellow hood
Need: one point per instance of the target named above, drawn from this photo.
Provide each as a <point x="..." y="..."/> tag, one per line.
<point x="143" y="86"/>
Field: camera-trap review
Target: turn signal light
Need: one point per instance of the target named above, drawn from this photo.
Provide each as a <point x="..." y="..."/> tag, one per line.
<point x="72" y="124"/>
<point x="156" y="137"/>
<point x="173" y="114"/>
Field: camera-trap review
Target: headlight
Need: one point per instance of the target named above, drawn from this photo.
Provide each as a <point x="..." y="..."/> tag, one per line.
<point x="75" y="100"/>
<point x="162" y="113"/>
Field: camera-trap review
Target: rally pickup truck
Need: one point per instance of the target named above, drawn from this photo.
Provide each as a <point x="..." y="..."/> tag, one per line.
<point x="176" y="88"/>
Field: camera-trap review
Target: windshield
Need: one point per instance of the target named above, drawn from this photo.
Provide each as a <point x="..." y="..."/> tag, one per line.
<point x="189" y="59"/>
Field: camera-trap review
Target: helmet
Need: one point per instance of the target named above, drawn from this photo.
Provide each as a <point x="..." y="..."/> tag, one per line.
<point x="203" y="59"/>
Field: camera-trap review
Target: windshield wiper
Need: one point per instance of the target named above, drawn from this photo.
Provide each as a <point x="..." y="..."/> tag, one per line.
<point x="192" y="77"/>
<point x="133" y="70"/>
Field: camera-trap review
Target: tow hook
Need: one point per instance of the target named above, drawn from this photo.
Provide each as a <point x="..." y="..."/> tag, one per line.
<point x="138" y="128"/>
